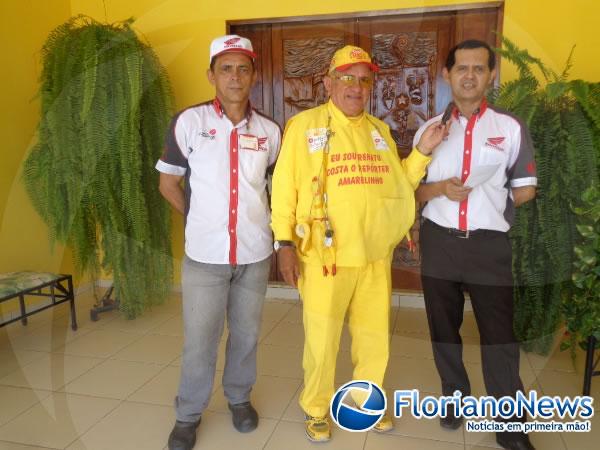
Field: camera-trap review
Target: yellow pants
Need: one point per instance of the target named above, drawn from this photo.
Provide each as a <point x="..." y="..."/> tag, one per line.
<point x="363" y="292"/>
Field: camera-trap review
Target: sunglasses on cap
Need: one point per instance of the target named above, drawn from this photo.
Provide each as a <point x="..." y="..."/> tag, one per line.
<point x="351" y="80"/>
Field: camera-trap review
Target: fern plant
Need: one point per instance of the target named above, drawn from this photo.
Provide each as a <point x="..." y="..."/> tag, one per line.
<point x="564" y="121"/>
<point x="105" y="107"/>
<point x="582" y="311"/>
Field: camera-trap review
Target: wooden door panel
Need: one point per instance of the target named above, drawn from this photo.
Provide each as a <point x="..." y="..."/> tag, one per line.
<point x="409" y="53"/>
<point x="301" y="57"/>
<point x="409" y="48"/>
<point x="261" y="95"/>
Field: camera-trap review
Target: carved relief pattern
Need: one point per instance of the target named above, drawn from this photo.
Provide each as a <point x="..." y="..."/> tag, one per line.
<point x="305" y="63"/>
<point x="403" y="97"/>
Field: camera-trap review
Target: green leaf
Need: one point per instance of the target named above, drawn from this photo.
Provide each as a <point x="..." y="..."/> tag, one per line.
<point x="565" y="345"/>
<point x="586" y="230"/>
<point x="557" y="89"/>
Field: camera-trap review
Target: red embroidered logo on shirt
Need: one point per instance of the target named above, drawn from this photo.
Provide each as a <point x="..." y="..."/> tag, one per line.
<point x="494" y="142"/>
<point x="211" y="134"/>
<point x="531" y="167"/>
<point x="262" y="144"/>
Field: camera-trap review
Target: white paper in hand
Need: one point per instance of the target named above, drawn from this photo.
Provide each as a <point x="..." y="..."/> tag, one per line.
<point x="480" y="174"/>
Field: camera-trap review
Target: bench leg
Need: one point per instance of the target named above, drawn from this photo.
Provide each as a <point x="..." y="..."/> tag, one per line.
<point x="22" y="307"/>
<point x="72" y="303"/>
<point x="589" y="366"/>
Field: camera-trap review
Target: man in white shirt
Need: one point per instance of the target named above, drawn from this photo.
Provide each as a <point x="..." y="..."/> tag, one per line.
<point x="480" y="171"/>
<point x="222" y="150"/>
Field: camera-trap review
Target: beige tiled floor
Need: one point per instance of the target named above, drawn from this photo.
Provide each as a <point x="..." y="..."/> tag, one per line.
<point x="111" y="383"/>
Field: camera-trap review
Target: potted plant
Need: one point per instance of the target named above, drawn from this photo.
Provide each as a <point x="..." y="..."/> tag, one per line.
<point x="105" y="107"/>
<point x="564" y="119"/>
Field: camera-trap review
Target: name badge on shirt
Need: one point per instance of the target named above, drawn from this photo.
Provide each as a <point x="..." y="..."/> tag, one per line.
<point x="379" y="141"/>
<point x="248" y="142"/>
<point x="316" y="138"/>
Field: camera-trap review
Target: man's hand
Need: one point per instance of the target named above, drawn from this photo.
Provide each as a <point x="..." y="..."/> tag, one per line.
<point x="454" y="189"/>
<point x="287" y="262"/>
<point x="450" y="187"/>
<point x="432" y="136"/>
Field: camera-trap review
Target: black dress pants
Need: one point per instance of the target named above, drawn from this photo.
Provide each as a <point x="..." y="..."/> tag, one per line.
<point x="480" y="264"/>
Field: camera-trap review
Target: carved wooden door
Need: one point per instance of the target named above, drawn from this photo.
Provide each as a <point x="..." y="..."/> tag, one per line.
<point x="408" y="90"/>
<point x="410" y="50"/>
<point x="301" y="56"/>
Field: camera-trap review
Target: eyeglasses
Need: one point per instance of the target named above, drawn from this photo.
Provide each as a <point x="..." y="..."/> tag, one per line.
<point x="351" y="80"/>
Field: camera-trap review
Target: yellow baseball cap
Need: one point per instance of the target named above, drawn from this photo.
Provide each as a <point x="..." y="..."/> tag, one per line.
<point x="349" y="55"/>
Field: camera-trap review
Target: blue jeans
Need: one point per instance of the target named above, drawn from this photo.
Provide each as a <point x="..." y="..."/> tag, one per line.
<point x="209" y="292"/>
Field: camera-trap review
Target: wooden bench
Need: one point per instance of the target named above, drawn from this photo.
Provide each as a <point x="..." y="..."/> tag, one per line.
<point x="59" y="288"/>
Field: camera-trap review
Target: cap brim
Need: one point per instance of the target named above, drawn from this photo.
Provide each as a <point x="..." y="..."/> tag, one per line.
<point x="344" y="67"/>
<point x="236" y="50"/>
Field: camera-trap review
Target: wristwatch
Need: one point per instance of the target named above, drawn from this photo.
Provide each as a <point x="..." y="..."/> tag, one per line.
<point x="278" y="244"/>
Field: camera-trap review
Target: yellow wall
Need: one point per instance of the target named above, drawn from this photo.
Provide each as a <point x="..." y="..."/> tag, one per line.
<point x="180" y="31"/>
<point x="24" y="26"/>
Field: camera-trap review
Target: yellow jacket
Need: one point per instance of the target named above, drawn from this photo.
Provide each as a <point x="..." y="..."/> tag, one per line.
<point x="370" y="191"/>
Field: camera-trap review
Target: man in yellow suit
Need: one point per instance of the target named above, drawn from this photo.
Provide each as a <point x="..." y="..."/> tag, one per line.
<point x="342" y="200"/>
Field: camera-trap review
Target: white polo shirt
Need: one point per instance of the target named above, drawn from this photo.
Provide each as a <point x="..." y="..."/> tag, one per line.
<point x="489" y="138"/>
<point x="226" y="206"/>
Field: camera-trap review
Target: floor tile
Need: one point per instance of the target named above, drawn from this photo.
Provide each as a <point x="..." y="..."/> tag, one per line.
<point x="414" y="345"/>
<point x="555" y="382"/>
<point x="291" y="436"/>
<point x="376" y="441"/>
<point x="15" y="400"/>
<point x="51" y="372"/>
<point x="14" y="446"/>
<point x="270" y="396"/>
<point x="293" y="412"/>
<point x="275" y="311"/>
<point x="171" y="327"/>
<point x="12" y="359"/>
<point x="47" y="337"/>
<point x="98" y="343"/>
<point x="288" y="334"/>
<point x="412" y="373"/>
<point x="216" y="432"/>
<point x="424" y="428"/>
<point x="57" y="420"/>
<point x="152" y="348"/>
<point x="294" y="315"/>
<point x="162" y="389"/>
<point x="413" y="320"/>
<point x="114" y="379"/>
<point x="584" y="441"/>
<point x="558" y="360"/>
<point x="171" y="304"/>
<point x="143" y="369"/>
<point x="344" y="369"/>
<point x="131" y="426"/>
<point x="279" y="361"/>
<point x="143" y="324"/>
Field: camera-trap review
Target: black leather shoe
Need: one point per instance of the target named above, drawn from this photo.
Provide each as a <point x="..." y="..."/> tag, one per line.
<point x="183" y="435"/>
<point x="516" y="442"/>
<point x="451" y="422"/>
<point x="244" y="417"/>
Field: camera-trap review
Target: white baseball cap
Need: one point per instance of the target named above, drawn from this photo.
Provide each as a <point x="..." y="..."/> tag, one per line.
<point x="231" y="43"/>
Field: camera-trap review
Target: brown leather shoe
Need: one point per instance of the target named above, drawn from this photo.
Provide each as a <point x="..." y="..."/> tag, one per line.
<point x="451" y="422"/>
<point x="183" y="435"/>
<point x="516" y="441"/>
<point x="244" y="417"/>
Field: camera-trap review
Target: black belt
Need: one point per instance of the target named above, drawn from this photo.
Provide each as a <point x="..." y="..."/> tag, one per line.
<point x="463" y="234"/>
